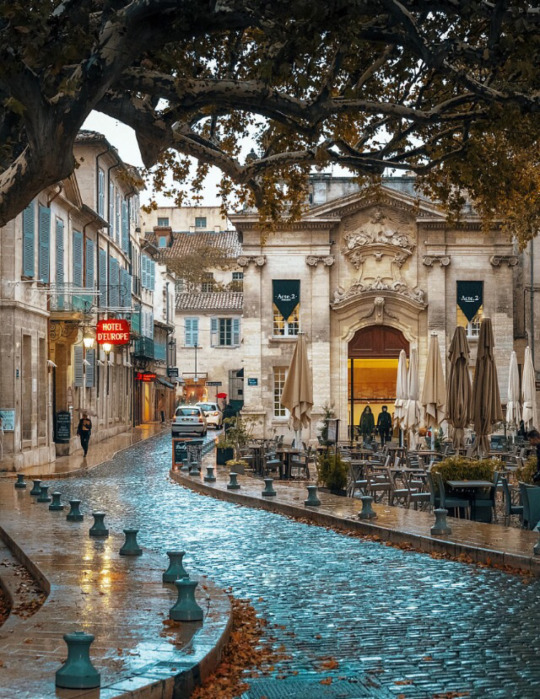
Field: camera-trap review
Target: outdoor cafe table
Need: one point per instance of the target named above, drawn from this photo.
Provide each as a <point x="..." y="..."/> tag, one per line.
<point x="471" y="488"/>
<point x="285" y="454"/>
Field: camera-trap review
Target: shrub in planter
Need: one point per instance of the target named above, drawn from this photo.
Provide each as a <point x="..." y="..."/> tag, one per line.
<point x="332" y="471"/>
<point x="526" y="472"/>
<point x="456" y="468"/>
<point x="237" y="465"/>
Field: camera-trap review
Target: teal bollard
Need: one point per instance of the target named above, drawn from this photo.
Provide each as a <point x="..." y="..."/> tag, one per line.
<point x="175" y="570"/>
<point x="186" y="608"/>
<point x="56" y="504"/>
<point x="185" y="467"/>
<point x="367" y="511"/>
<point x="74" y="514"/>
<point x="536" y="549"/>
<point x="36" y="490"/>
<point x="98" y="529"/>
<point x="233" y="484"/>
<point x="44" y="495"/>
<point x="210" y="478"/>
<point x="194" y="469"/>
<point x="78" y="672"/>
<point x="131" y="547"/>
<point x="313" y="500"/>
<point x="20" y="481"/>
<point x="441" y="526"/>
<point x="268" y="491"/>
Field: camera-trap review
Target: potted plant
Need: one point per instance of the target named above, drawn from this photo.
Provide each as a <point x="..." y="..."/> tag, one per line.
<point x="332" y="472"/>
<point x="236" y="436"/>
<point x="328" y="414"/>
<point x="237" y="465"/>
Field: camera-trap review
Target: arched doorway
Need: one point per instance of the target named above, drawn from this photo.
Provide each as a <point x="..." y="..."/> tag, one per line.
<point x="372" y="369"/>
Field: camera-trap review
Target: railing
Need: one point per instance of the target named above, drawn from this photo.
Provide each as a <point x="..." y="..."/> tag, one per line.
<point x="67" y="297"/>
<point x="144" y="347"/>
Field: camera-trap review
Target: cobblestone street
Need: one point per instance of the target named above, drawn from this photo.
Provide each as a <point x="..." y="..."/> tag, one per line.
<point x="366" y="619"/>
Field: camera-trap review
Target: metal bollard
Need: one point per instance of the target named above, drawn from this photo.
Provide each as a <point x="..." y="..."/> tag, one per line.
<point x="98" y="529"/>
<point x="186" y="608"/>
<point x="193" y="469"/>
<point x="20" y="481"/>
<point x="185" y="467"/>
<point x="131" y="547"/>
<point x="36" y="490"/>
<point x="313" y="499"/>
<point x="367" y="511"/>
<point x="440" y="526"/>
<point x="43" y="495"/>
<point x="74" y="514"/>
<point x="175" y="570"/>
<point x="233" y="484"/>
<point x="268" y="488"/>
<point x="536" y="549"/>
<point x="56" y="504"/>
<point x="210" y="478"/>
<point x="78" y="672"/>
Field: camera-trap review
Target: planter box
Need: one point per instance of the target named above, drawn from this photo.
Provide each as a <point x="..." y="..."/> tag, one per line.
<point x="333" y="491"/>
<point x="224" y="454"/>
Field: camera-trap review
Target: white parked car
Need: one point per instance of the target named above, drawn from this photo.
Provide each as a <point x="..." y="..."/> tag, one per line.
<point x="189" y="419"/>
<point x="212" y="413"/>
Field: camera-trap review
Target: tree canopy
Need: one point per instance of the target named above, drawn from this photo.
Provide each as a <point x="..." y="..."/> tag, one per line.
<point x="448" y="89"/>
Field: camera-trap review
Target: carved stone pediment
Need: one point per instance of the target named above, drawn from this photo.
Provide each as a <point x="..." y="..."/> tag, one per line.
<point x="396" y="289"/>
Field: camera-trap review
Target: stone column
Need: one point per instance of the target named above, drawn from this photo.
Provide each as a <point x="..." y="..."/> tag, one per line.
<point x="437" y="264"/>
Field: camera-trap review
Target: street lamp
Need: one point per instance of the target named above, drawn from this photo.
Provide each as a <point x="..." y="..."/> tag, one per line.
<point x="107" y="347"/>
<point x="88" y="341"/>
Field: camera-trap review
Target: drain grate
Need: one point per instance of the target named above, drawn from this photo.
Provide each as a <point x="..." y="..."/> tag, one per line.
<point x="313" y="689"/>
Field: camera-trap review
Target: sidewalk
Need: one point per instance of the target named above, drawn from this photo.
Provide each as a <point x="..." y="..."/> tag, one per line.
<point x="489" y="544"/>
<point x="98" y="453"/>
<point x="120" y="600"/>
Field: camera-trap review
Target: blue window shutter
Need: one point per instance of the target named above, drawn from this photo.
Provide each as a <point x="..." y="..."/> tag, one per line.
<point x="111" y="208"/>
<point x="152" y="275"/>
<point x="117" y="221"/>
<point x="187" y="332"/>
<point x="44" y="236"/>
<point x="125" y="227"/>
<point x="101" y="192"/>
<point x="77" y="258"/>
<point x="214" y="340"/>
<point x="236" y="331"/>
<point x="151" y="328"/>
<point x="90" y="263"/>
<point x="114" y="282"/>
<point x="90" y="368"/>
<point x="195" y="332"/>
<point x="59" y="251"/>
<point x="77" y="365"/>
<point x="103" y="276"/>
<point x="143" y="271"/>
<point x="29" y="240"/>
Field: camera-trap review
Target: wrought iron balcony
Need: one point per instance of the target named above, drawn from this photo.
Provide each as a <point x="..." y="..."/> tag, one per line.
<point x="144" y="347"/>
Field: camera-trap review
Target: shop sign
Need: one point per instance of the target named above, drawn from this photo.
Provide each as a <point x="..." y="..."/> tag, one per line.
<point x="172" y="371"/>
<point x="253" y="382"/>
<point x="213" y="383"/>
<point x="63" y="427"/>
<point x="145" y="376"/>
<point x="8" y="420"/>
<point x="113" y="332"/>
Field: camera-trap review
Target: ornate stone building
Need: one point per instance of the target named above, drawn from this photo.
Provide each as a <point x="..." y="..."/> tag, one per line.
<point x="375" y="272"/>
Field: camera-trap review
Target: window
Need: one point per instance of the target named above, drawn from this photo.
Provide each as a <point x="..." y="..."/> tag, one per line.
<point x="112" y="198"/>
<point x="286" y="328"/>
<point x="237" y="283"/>
<point x="472" y="326"/>
<point x="237" y="276"/>
<point x="44" y="238"/>
<point x="200" y="222"/>
<point x="28" y="240"/>
<point x="101" y="192"/>
<point x="208" y="284"/>
<point x="162" y="241"/>
<point x="225" y="332"/>
<point x="191" y="332"/>
<point x="162" y="222"/>
<point x="279" y="381"/>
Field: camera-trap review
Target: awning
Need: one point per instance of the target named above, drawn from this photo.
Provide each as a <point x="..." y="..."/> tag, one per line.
<point x="286" y="295"/>
<point x="165" y="382"/>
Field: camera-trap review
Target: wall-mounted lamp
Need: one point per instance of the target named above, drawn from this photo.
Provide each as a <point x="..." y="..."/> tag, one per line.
<point x="88" y="341"/>
<point x="107" y="347"/>
<point x="51" y="363"/>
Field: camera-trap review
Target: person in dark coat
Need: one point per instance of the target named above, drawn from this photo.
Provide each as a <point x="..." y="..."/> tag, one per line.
<point x="367" y="424"/>
<point x="84" y="430"/>
<point x="384" y="425"/>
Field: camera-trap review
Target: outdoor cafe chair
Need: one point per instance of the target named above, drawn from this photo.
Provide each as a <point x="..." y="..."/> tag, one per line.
<point x="530" y="499"/>
<point x="272" y="463"/>
<point x="300" y="463"/>
<point x="379" y="484"/>
<point x="450" y="502"/>
<point x="399" y="494"/>
<point x="509" y="507"/>
<point x="490" y="500"/>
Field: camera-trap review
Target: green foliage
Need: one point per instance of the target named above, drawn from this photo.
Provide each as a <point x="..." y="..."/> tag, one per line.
<point x="526" y="472"/>
<point x="237" y="435"/>
<point x="332" y="471"/>
<point x="457" y="468"/>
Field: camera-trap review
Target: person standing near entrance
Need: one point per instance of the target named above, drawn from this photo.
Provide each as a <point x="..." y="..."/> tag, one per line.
<point x="367" y="424"/>
<point x="384" y="425"/>
<point x="84" y="430"/>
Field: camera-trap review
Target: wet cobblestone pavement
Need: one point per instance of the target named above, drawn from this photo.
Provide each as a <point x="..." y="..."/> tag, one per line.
<point x="366" y="619"/>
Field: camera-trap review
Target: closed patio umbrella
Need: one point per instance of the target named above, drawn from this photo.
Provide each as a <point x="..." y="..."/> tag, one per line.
<point x="513" y="406"/>
<point x="413" y="410"/>
<point x="487" y="409"/>
<point x="297" y="395"/>
<point x="459" y="388"/>
<point x="401" y="390"/>
<point x="434" y="390"/>
<point x="529" y="416"/>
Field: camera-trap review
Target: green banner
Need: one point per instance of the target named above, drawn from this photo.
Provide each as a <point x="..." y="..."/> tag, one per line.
<point x="286" y="295"/>
<point x="470" y="296"/>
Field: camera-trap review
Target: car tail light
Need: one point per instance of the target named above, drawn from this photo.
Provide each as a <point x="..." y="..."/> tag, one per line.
<point x="215" y="413"/>
<point x="201" y="419"/>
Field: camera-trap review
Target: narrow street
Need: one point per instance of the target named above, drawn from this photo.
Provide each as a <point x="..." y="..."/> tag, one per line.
<point x="366" y="619"/>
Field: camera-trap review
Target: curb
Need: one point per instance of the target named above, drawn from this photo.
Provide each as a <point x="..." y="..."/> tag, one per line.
<point x="425" y="544"/>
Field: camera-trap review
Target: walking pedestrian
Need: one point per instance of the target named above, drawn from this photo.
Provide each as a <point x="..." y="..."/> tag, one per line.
<point x="384" y="425"/>
<point x="367" y="424"/>
<point x="84" y="430"/>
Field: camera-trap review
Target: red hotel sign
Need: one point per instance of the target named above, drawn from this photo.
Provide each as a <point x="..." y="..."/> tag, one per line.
<point x="115" y="332"/>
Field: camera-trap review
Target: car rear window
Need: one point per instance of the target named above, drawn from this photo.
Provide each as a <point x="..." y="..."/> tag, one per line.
<point x="207" y="406"/>
<point x="188" y="411"/>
